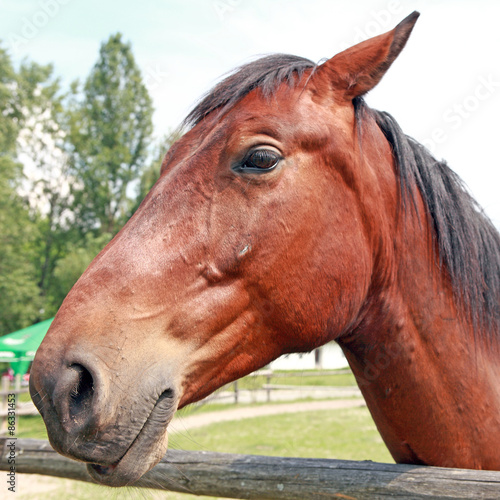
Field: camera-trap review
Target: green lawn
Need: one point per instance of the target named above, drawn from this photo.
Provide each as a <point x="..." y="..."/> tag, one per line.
<point x="31" y="426"/>
<point x="347" y="434"/>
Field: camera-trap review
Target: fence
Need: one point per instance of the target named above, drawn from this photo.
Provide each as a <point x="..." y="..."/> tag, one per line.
<point x="252" y="476"/>
<point x="265" y="392"/>
<point x="8" y="388"/>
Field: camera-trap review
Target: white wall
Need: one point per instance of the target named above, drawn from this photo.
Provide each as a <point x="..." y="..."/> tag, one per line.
<point x="331" y="358"/>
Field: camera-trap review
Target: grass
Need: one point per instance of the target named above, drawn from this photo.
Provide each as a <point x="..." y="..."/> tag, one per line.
<point x="31" y="426"/>
<point x="344" y="434"/>
<point x="24" y="397"/>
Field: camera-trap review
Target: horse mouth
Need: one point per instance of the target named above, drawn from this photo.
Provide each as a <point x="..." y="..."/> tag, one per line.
<point x="145" y="451"/>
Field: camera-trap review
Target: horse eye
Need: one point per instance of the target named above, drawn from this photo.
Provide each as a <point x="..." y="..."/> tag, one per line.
<point x="261" y="160"/>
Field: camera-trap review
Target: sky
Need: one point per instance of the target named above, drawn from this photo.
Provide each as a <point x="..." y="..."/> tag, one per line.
<point x="444" y="89"/>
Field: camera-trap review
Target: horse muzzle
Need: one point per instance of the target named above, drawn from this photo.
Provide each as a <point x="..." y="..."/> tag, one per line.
<point x="117" y="425"/>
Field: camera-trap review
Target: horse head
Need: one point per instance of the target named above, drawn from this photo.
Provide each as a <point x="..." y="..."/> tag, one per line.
<point x="261" y="237"/>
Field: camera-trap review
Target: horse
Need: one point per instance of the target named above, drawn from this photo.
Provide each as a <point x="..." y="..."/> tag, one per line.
<point x="288" y="215"/>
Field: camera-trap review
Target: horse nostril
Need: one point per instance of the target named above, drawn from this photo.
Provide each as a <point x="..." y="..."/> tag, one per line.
<point x="81" y="395"/>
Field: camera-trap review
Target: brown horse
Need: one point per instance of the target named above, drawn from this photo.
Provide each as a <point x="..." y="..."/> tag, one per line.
<point x="289" y="215"/>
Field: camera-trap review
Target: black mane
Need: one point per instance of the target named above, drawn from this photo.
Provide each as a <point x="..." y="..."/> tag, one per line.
<point x="267" y="73"/>
<point x="468" y="243"/>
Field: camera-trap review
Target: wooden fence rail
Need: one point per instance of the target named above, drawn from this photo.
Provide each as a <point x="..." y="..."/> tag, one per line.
<point x="258" y="477"/>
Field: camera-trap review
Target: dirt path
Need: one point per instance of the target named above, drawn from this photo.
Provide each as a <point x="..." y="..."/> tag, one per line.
<point x="182" y="423"/>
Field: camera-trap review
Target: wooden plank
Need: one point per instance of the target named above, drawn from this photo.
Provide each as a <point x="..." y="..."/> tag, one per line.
<point x="304" y="388"/>
<point x="259" y="477"/>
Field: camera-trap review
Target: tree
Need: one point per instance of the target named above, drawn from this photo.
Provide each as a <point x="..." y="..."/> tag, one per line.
<point x="109" y="132"/>
<point x="151" y="172"/>
<point x="69" y="169"/>
<point x="19" y="297"/>
<point x="70" y="267"/>
<point x="19" y="302"/>
<point x="46" y="181"/>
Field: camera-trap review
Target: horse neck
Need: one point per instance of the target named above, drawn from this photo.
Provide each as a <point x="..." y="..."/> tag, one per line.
<point x="432" y="390"/>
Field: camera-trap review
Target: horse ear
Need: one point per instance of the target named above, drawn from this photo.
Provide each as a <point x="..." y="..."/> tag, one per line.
<point x="358" y="69"/>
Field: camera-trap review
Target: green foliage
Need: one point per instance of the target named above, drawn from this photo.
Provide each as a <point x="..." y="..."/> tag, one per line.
<point x="19" y="297"/>
<point x="37" y="89"/>
<point x="70" y="267"/>
<point x="9" y="104"/>
<point x="46" y="181"/>
<point x="151" y="172"/>
<point x="19" y="302"/>
<point x="109" y="132"/>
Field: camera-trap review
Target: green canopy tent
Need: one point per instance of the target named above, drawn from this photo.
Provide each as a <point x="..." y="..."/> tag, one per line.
<point x="18" y="348"/>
